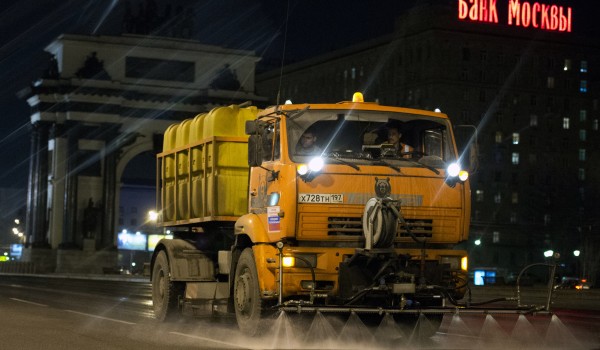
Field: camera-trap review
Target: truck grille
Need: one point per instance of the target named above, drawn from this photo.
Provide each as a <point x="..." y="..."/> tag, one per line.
<point x="419" y="227"/>
<point x="352" y="226"/>
<point x="346" y="226"/>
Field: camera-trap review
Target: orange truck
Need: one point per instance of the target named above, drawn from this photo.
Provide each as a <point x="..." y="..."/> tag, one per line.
<point x="357" y="224"/>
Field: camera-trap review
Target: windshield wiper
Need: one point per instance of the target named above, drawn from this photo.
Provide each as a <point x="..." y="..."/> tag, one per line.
<point x="437" y="172"/>
<point x="334" y="156"/>
<point x="383" y="162"/>
<point x="295" y="114"/>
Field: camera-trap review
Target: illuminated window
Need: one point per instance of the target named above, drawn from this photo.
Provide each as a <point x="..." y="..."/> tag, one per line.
<point x="581" y="174"/>
<point x="566" y="123"/>
<point x="515" y="197"/>
<point x="550" y="83"/>
<point x="515" y="158"/>
<point x="582" y="154"/>
<point x="533" y="120"/>
<point x="496" y="237"/>
<point x="513" y="217"/>
<point x="498" y="136"/>
<point x="567" y="65"/>
<point x="582" y="134"/>
<point x="595" y="126"/>
<point x="353" y="73"/>
<point x="515" y="138"/>
<point x="583" y="86"/>
<point x="479" y="195"/>
<point x="584" y="67"/>
<point x="582" y="115"/>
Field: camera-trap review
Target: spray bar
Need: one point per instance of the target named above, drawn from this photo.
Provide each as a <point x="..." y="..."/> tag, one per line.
<point x="381" y="311"/>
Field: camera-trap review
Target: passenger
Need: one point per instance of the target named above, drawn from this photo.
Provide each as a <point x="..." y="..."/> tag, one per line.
<point x="308" y="144"/>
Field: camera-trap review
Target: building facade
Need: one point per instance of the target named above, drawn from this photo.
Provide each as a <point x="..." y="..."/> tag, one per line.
<point x="533" y="95"/>
<point x="104" y="100"/>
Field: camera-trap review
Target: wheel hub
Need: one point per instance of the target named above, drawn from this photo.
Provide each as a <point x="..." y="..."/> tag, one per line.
<point x="243" y="293"/>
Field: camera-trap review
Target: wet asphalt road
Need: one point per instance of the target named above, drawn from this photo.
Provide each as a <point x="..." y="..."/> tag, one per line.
<point x="40" y="312"/>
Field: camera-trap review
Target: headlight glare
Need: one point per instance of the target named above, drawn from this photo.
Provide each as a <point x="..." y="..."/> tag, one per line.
<point x="463" y="175"/>
<point x="453" y="169"/>
<point x="316" y="164"/>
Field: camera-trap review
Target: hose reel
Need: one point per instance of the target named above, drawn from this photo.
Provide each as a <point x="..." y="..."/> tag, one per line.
<point x="379" y="223"/>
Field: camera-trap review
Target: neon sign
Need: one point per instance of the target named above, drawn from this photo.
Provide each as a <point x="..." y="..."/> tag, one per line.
<point x="522" y="14"/>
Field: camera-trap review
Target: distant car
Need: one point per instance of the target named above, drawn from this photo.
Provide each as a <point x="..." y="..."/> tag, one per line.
<point x="572" y="283"/>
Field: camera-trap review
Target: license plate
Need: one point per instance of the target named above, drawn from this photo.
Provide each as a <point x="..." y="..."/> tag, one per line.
<point x="320" y="198"/>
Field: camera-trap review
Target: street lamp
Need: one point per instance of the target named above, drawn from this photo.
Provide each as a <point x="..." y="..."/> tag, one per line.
<point x="152" y="216"/>
<point x="478" y="241"/>
<point x="548" y="253"/>
<point x="576" y="252"/>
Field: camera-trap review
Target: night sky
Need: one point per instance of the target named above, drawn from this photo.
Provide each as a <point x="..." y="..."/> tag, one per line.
<point x="314" y="26"/>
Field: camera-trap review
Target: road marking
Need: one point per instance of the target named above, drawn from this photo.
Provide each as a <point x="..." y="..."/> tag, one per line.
<point x="210" y="340"/>
<point x="28" y="302"/>
<point x="100" y="317"/>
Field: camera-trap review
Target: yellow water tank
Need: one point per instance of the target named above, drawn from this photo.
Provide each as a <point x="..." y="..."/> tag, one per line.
<point x="183" y="169"/>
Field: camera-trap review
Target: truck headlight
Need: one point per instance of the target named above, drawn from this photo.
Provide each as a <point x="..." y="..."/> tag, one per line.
<point x="308" y="171"/>
<point x="455" y="174"/>
<point x="288" y="261"/>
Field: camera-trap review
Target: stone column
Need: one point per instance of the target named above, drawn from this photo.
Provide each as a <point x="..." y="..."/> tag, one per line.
<point x="108" y="200"/>
<point x="31" y="185"/>
<point x="40" y="230"/>
<point x="70" y="199"/>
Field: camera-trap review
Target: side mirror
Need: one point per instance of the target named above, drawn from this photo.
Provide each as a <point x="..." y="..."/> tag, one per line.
<point x="466" y="142"/>
<point x="255" y="148"/>
<point x="250" y="127"/>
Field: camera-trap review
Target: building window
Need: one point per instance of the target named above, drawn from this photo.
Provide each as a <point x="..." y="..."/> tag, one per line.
<point x="546" y="219"/>
<point x="582" y="154"/>
<point x="515" y="158"/>
<point x="498" y="136"/>
<point x="133" y="222"/>
<point x="497" y="198"/>
<point x="133" y="210"/>
<point x="566" y="122"/>
<point x="496" y="236"/>
<point x="595" y="126"/>
<point x="550" y="83"/>
<point x="581" y="174"/>
<point x="466" y="54"/>
<point x="515" y="138"/>
<point x="533" y="120"/>
<point x="513" y="217"/>
<point x="584" y="67"/>
<point x="532" y="158"/>
<point x="353" y="73"/>
<point x="583" y="86"/>
<point x="479" y="195"/>
<point x="582" y="115"/>
<point x="567" y="66"/>
<point x="582" y="134"/>
<point x="515" y="197"/>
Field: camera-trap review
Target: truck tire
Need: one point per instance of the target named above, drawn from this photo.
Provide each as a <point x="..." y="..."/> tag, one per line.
<point x="246" y="295"/>
<point x="165" y="293"/>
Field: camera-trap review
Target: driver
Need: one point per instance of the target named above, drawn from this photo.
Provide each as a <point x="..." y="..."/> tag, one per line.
<point x="308" y="144"/>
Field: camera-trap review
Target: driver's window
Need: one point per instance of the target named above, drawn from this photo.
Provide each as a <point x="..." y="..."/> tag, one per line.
<point x="271" y="142"/>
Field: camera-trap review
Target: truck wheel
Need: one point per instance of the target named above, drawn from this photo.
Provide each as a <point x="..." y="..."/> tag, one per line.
<point x="165" y="293"/>
<point x="248" y="304"/>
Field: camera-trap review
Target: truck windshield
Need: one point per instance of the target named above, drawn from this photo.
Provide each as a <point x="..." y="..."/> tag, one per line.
<point x="371" y="137"/>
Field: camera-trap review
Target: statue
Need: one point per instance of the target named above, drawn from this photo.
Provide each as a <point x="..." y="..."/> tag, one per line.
<point x="90" y="220"/>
